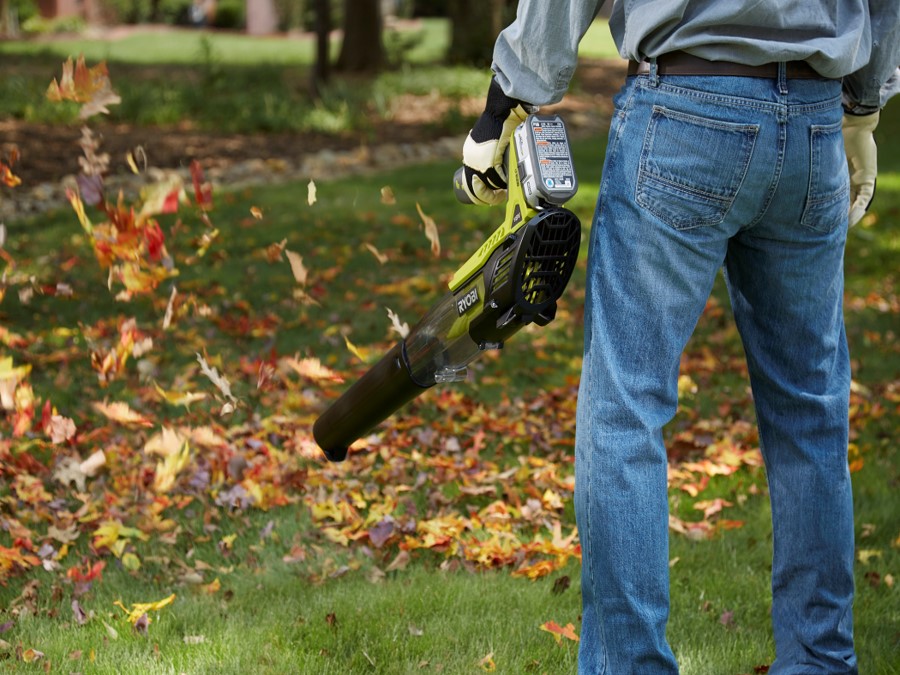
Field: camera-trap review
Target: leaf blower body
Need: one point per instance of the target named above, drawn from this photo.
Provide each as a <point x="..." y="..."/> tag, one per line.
<point x="514" y="279"/>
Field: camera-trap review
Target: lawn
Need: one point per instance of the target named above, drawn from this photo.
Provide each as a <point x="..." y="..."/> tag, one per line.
<point x="444" y="543"/>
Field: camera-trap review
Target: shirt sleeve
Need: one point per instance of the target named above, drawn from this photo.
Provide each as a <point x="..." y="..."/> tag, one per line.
<point x="867" y="90"/>
<point x="536" y="55"/>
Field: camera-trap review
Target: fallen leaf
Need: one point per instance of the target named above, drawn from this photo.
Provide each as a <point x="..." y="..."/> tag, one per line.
<point x="399" y="563"/>
<point x="487" y="663"/>
<point x="559" y="632"/>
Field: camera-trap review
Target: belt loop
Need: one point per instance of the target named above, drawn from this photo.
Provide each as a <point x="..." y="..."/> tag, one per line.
<point x="782" y="78"/>
<point x="654" y="74"/>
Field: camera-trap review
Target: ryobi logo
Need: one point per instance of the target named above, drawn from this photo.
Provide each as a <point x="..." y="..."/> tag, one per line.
<point x="466" y="302"/>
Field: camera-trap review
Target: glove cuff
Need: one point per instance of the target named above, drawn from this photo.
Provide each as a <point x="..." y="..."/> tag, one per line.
<point x="497" y="110"/>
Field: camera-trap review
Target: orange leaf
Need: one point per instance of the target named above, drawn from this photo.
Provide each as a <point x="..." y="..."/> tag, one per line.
<point x="558" y="632"/>
<point x="312" y="369"/>
<point x="90" y="86"/>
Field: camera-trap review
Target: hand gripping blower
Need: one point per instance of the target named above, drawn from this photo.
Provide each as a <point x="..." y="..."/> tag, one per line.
<point x="512" y="280"/>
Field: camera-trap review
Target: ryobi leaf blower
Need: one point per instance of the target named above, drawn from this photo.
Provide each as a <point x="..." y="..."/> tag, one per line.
<point x="513" y="279"/>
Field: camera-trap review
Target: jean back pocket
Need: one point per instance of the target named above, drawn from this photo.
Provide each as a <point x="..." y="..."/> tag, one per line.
<point x="692" y="167"/>
<point x="828" y="200"/>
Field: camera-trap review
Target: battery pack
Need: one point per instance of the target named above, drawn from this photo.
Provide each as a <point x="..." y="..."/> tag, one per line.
<point x="545" y="162"/>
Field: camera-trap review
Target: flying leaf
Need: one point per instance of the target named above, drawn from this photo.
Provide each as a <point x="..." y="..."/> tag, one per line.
<point x="7" y="177"/>
<point x="61" y="429"/>
<point x="219" y="380"/>
<point x="180" y="398"/>
<point x="362" y="354"/>
<point x="120" y="412"/>
<point x="170" y="308"/>
<point x="311" y="193"/>
<point x="93" y="464"/>
<point x="202" y="189"/>
<point x="431" y="231"/>
<point x="402" y="329"/>
<point x="132" y="158"/>
<point x="89" y="86"/>
<point x="166" y="443"/>
<point x="297" y="268"/>
<point x="312" y="369"/>
<point x="256" y="212"/>
<point x="387" y="195"/>
<point x="379" y="256"/>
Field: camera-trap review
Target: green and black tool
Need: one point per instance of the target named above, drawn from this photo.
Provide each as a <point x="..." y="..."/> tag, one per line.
<point x="512" y="280"/>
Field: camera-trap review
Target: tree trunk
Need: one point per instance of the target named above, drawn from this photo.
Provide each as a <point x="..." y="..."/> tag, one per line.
<point x="321" y="68"/>
<point x="362" y="50"/>
<point x="475" y="25"/>
<point x="4" y="17"/>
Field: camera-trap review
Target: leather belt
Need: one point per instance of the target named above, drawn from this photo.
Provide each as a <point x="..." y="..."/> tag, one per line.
<point x="682" y="63"/>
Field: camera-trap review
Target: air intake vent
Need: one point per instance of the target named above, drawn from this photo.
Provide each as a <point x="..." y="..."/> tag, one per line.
<point x="548" y="258"/>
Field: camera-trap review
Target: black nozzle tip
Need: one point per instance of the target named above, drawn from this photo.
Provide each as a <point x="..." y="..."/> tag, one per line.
<point x="335" y="454"/>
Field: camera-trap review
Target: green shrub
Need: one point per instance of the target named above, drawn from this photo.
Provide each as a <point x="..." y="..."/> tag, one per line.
<point x="230" y="14"/>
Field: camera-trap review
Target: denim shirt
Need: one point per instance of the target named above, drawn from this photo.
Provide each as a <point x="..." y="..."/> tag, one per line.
<point x="856" y="40"/>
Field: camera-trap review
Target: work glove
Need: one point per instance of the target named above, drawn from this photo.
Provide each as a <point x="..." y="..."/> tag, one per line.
<point x="483" y="176"/>
<point x="862" y="155"/>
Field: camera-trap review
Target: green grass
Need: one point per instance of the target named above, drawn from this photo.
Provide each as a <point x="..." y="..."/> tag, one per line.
<point x="273" y="616"/>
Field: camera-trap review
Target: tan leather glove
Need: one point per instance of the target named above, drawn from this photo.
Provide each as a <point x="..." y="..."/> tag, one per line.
<point x="484" y="173"/>
<point x="862" y="156"/>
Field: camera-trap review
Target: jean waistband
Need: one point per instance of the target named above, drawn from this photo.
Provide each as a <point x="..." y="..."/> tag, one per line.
<point x="682" y="63"/>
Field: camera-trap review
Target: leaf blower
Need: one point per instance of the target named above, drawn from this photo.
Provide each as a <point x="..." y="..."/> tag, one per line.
<point x="512" y="280"/>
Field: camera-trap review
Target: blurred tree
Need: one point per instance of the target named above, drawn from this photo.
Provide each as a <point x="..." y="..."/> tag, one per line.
<point x="362" y="50"/>
<point x="4" y="17"/>
<point x="475" y="25"/>
<point x="321" y="68"/>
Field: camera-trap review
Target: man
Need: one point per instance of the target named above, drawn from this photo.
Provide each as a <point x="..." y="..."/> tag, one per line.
<point x="725" y="149"/>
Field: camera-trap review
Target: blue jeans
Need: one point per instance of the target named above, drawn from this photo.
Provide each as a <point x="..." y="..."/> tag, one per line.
<point x="700" y="173"/>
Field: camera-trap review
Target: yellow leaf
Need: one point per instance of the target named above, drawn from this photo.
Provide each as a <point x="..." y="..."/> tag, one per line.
<point x="131" y="562"/>
<point x="311" y="193"/>
<point x="865" y="555"/>
<point x="138" y="609"/>
<point x="167" y="470"/>
<point x="32" y="655"/>
<point x="180" y="398"/>
<point x="362" y="354"/>
<point x="387" y="195"/>
<point x="256" y="212"/>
